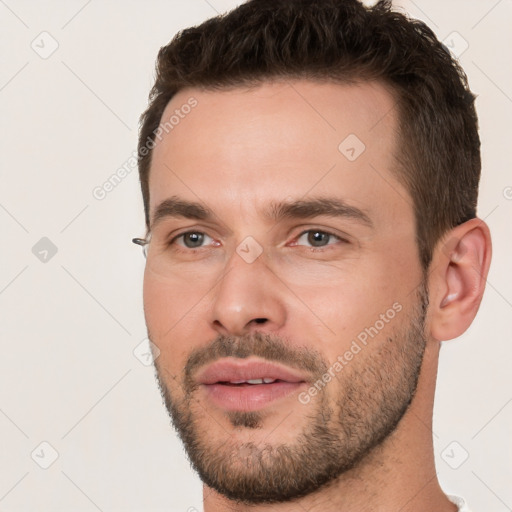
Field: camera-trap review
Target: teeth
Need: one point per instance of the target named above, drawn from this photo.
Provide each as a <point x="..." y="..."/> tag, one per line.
<point x="265" y="380"/>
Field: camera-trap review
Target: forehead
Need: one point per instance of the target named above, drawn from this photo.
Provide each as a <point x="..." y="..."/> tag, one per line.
<point x="245" y="147"/>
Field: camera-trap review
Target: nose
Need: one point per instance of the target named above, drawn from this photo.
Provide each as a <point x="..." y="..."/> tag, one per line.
<point x="248" y="297"/>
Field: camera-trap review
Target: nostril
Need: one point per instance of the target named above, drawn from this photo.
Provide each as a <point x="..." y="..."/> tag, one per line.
<point x="260" y="320"/>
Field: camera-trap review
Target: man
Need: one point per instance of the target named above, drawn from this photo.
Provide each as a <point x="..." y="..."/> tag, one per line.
<point x="310" y="173"/>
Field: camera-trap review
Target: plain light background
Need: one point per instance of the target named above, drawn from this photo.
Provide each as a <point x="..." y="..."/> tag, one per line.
<point x="71" y="323"/>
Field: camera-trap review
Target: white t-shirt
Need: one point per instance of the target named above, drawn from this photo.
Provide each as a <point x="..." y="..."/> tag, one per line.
<point x="460" y="503"/>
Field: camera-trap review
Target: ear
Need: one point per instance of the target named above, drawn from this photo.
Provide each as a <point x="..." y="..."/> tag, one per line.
<point x="459" y="268"/>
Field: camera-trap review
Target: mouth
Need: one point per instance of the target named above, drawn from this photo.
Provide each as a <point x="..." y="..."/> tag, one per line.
<point x="251" y="382"/>
<point x="248" y="385"/>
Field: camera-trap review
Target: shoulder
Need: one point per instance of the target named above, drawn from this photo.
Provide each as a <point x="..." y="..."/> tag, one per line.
<point x="460" y="503"/>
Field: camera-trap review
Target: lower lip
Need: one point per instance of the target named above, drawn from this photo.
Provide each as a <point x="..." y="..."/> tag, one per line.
<point x="249" y="397"/>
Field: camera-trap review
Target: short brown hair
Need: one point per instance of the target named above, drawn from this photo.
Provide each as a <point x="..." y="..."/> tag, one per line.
<point x="342" y="41"/>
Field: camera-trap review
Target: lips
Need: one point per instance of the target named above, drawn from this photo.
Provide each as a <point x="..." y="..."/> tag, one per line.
<point x="235" y="371"/>
<point x="238" y="385"/>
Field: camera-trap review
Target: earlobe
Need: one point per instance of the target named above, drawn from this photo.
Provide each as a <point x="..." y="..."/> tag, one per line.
<point x="460" y="267"/>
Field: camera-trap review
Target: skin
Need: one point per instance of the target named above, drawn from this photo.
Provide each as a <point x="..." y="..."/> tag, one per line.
<point x="236" y="153"/>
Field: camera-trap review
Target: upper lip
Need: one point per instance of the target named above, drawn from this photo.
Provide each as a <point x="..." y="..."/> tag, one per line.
<point x="236" y="370"/>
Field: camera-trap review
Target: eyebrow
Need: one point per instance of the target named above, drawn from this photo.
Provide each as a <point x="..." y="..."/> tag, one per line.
<point x="175" y="207"/>
<point x="301" y="209"/>
<point x="324" y="206"/>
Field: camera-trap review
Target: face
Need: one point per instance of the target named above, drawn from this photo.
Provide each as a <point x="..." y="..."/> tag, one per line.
<point x="283" y="287"/>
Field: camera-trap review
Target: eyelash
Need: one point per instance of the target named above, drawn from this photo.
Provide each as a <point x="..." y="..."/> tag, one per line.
<point x="183" y="248"/>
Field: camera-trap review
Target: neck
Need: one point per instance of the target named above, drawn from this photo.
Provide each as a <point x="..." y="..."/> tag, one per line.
<point x="399" y="474"/>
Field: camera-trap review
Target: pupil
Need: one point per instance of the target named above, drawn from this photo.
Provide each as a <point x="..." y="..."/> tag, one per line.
<point x="318" y="238"/>
<point x="193" y="239"/>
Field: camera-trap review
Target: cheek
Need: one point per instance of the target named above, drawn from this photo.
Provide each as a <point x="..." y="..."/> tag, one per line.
<point x="352" y="304"/>
<point x="157" y="302"/>
<point x="170" y="304"/>
<point x="341" y="310"/>
<point x="171" y="321"/>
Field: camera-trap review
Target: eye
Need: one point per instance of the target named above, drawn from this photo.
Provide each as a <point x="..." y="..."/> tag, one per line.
<point x="317" y="238"/>
<point x="193" y="239"/>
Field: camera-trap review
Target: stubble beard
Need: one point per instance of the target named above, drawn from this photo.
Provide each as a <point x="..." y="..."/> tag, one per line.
<point x="340" y="429"/>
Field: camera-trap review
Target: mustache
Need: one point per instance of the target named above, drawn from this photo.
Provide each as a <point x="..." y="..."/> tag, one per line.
<point x="267" y="346"/>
